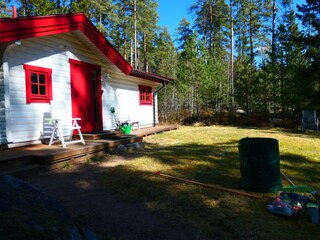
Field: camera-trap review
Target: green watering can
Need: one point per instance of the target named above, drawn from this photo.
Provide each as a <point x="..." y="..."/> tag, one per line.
<point x="126" y="128"/>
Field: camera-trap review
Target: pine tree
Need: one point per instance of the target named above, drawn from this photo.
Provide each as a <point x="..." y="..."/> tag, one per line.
<point x="186" y="64"/>
<point x="211" y="22"/>
<point x="135" y="30"/>
<point x="103" y="14"/>
<point x="165" y="63"/>
<point x="184" y="31"/>
<point x="289" y="59"/>
<point x="5" y="10"/>
<point x="309" y="16"/>
<point x="164" y="57"/>
<point x="231" y="58"/>
<point x="148" y="20"/>
<point x="251" y="29"/>
<point x="80" y="6"/>
<point x="44" y="7"/>
<point x="121" y="32"/>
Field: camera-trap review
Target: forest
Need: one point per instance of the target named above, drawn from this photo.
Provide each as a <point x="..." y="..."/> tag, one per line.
<point x="258" y="56"/>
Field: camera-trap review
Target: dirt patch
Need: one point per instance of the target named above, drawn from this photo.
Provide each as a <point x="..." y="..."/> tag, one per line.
<point x="105" y="212"/>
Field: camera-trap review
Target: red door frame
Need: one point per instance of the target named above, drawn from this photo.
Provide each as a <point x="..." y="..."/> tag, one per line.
<point x="86" y="95"/>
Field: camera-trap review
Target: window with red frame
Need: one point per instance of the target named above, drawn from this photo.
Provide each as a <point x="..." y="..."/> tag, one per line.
<point x="145" y="94"/>
<point x="38" y="84"/>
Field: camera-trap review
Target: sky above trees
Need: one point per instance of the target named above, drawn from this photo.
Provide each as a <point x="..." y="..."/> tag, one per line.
<point x="171" y="13"/>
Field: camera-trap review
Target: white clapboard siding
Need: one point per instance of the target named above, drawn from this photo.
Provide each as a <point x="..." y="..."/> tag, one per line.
<point x="123" y="95"/>
<point x="25" y="121"/>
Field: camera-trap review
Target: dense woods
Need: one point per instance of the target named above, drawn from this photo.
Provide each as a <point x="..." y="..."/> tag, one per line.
<point x="261" y="56"/>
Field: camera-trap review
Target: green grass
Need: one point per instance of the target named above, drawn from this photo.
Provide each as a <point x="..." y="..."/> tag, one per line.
<point x="210" y="155"/>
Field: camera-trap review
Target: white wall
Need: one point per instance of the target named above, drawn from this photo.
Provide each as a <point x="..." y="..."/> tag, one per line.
<point x="124" y="97"/>
<point x="25" y="120"/>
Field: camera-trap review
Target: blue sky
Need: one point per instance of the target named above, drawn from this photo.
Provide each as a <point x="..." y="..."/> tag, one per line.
<point x="172" y="11"/>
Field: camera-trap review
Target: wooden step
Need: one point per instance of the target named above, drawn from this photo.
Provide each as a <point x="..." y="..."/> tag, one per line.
<point x="25" y="170"/>
<point x="19" y="164"/>
<point x="102" y="135"/>
<point x="14" y="162"/>
<point x="80" y="151"/>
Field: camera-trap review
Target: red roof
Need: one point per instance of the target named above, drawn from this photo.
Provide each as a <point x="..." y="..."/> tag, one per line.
<point x="14" y="29"/>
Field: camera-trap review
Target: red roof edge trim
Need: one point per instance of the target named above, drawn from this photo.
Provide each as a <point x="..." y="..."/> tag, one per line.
<point x="150" y="76"/>
<point x="13" y="29"/>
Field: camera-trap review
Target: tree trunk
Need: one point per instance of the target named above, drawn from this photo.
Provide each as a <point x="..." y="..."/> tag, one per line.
<point x="131" y="52"/>
<point x="211" y="31"/>
<point x="145" y="61"/>
<point x="165" y="104"/>
<point x="124" y="48"/>
<point x="192" y="100"/>
<point x="274" y="8"/>
<point x="135" y="35"/>
<point x="231" y="75"/>
<point x="251" y="32"/>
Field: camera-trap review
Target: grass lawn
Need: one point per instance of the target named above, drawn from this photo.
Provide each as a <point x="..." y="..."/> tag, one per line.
<point x="210" y="155"/>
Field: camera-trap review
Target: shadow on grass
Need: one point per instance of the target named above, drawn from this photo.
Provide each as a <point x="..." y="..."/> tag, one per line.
<point x="301" y="170"/>
<point x="218" y="163"/>
<point x="210" y="213"/>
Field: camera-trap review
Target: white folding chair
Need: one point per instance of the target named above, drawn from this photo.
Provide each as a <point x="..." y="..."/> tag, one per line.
<point x="64" y="126"/>
<point x="309" y="120"/>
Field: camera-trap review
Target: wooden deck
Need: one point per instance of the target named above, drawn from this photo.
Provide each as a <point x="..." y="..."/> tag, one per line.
<point x="38" y="158"/>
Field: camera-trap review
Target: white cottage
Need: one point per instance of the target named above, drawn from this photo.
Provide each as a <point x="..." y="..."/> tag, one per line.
<point x="66" y="58"/>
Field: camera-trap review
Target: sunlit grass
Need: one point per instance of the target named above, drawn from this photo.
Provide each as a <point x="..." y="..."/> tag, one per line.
<point x="210" y="155"/>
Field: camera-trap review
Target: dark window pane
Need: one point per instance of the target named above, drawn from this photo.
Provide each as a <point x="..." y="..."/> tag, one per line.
<point x="34" y="89"/>
<point x="42" y="90"/>
<point x="42" y="78"/>
<point x="34" y="78"/>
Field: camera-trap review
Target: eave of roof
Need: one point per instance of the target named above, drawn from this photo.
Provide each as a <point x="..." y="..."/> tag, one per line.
<point x="150" y="76"/>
